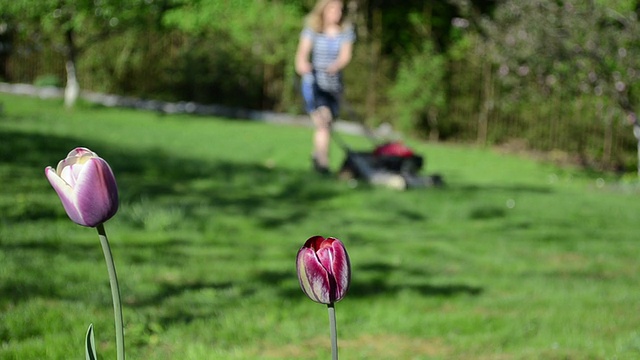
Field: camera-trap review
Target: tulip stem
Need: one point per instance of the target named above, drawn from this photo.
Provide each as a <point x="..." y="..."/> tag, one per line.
<point x="115" y="291"/>
<point x="333" y="330"/>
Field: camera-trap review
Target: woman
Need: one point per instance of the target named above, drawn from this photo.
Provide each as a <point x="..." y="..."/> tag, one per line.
<point x="325" y="48"/>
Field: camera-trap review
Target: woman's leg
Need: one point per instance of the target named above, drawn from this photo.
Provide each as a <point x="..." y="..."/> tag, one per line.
<point x="322" y="136"/>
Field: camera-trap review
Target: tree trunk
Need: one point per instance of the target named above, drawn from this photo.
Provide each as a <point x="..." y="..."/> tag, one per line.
<point x="487" y="105"/>
<point x="607" y="141"/>
<point x="374" y="61"/>
<point x="432" y="119"/>
<point x="72" y="88"/>
<point x="636" y="133"/>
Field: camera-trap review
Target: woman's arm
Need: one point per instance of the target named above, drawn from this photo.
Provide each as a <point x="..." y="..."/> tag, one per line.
<point x="303" y="66"/>
<point x="344" y="57"/>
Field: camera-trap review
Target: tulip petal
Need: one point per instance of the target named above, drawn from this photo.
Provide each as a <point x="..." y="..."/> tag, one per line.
<point x="333" y="256"/>
<point x="315" y="242"/>
<point x="314" y="278"/>
<point x="325" y="256"/>
<point x="96" y="192"/>
<point x="65" y="193"/>
<point x="340" y="269"/>
<point x="324" y="269"/>
<point x="86" y="186"/>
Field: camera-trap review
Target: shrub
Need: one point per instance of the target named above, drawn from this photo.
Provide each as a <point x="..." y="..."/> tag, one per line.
<point x="48" y="80"/>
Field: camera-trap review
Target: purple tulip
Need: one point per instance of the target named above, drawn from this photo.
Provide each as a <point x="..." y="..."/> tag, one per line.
<point x="324" y="269"/>
<point x="86" y="186"/>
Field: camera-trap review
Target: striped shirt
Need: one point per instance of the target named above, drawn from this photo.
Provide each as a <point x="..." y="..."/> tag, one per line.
<point x="325" y="51"/>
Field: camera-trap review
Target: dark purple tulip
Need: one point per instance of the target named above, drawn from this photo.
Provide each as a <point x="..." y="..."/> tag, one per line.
<point x="324" y="269"/>
<point x="86" y="186"/>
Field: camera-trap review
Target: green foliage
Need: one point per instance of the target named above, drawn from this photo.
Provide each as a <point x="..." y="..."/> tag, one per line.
<point x="90" y="345"/>
<point x="47" y="80"/>
<point x="574" y="47"/>
<point x="419" y="90"/>
<point x="555" y="76"/>
<point x="513" y="259"/>
<point x="266" y="28"/>
<point x="89" y="20"/>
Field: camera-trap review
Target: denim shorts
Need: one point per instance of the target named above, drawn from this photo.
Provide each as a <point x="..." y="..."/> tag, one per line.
<point x="314" y="97"/>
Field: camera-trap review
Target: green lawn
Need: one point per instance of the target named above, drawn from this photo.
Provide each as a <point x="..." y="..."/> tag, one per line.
<point x="513" y="259"/>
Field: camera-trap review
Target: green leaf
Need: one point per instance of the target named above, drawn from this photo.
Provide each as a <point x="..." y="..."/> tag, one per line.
<point x="90" y="345"/>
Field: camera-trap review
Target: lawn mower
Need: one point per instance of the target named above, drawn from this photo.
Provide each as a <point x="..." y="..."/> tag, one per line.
<point x="391" y="164"/>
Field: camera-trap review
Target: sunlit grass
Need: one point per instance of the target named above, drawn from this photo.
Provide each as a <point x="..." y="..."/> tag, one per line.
<point x="513" y="259"/>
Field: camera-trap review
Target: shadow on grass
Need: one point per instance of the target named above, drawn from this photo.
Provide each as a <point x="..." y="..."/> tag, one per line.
<point x="375" y="280"/>
<point x="470" y="189"/>
<point x="188" y="183"/>
<point x="247" y="189"/>
<point x="173" y="290"/>
<point x="271" y="197"/>
<point x="35" y="280"/>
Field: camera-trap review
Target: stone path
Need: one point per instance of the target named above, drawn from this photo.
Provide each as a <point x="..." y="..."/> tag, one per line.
<point x="349" y="127"/>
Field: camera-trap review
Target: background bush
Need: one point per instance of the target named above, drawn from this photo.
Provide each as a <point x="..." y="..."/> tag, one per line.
<point x="559" y="79"/>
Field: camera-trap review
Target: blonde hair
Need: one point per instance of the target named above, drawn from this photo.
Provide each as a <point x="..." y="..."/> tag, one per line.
<point x="314" y="18"/>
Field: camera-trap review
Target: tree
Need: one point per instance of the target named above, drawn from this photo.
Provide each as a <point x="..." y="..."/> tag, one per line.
<point x="419" y="91"/>
<point x="75" y="25"/>
<point x="268" y="28"/>
<point x="567" y="57"/>
<point x="581" y="46"/>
